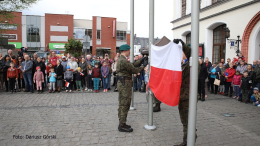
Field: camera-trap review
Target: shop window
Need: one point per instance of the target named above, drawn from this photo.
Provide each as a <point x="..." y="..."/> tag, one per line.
<point x="183" y="8"/>
<point x="120" y="35"/>
<point x="219" y="43"/>
<point x="88" y="32"/>
<point x="188" y="39"/>
<point x="33" y="33"/>
<point x="98" y="34"/>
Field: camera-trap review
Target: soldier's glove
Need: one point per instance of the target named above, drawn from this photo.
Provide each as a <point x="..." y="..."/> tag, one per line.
<point x="176" y="41"/>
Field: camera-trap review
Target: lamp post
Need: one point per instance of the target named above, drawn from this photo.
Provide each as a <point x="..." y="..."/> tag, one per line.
<point x="227" y="33"/>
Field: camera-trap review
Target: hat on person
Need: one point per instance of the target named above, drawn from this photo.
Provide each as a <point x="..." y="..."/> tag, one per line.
<point x="68" y="67"/>
<point x="256" y="88"/>
<point x="124" y="47"/>
<point x="63" y="57"/>
<point x="78" y="68"/>
<point x="38" y="68"/>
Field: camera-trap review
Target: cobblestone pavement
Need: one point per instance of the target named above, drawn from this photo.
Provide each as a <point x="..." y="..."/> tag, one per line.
<point x="91" y="119"/>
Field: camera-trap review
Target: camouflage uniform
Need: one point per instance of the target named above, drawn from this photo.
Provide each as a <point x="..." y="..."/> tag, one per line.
<point x="125" y="69"/>
<point x="184" y="93"/>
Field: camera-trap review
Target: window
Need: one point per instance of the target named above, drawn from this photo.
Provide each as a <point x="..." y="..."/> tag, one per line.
<point x="215" y="1"/>
<point x="219" y="43"/>
<point x="98" y="34"/>
<point x="120" y="35"/>
<point x="183" y="8"/>
<point x="79" y="33"/>
<point x="33" y="33"/>
<point x="89" y="33"/>
<point x="188" y="39"/>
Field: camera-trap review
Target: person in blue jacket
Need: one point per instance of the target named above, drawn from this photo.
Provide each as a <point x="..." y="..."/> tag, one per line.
<point x="214" y="73"/>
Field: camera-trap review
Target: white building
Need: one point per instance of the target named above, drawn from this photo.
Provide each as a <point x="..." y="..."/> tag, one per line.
<point x="242" y="17"/>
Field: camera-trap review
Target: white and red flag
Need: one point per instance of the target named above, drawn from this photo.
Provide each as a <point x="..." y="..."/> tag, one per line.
<point x="166" y="72"/>
<point x="67" y="84"/>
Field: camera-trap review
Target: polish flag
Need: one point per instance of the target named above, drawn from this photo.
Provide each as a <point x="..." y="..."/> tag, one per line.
<point x="166" y="72"/>
<point x="67" y="84"/>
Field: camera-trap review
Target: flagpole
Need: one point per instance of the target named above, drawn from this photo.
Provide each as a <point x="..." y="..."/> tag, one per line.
<point x="150" y="125"/>
<point x="194" y="72"/>
<point x="132" y="46"/>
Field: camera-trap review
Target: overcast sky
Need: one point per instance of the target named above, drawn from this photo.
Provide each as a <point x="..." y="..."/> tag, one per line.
<point x="120" y="9"/>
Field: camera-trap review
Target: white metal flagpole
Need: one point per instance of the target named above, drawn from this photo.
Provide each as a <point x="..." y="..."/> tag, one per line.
<point x="194" y="72"/>
<point x="150" y="125"/>
<point x="132" y="46"/>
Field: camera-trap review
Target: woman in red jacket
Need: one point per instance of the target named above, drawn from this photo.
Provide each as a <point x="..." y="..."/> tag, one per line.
<point x="229" y="73"/>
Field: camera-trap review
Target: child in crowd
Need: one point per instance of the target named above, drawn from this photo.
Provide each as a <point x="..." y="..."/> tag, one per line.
<point x="78" y="78"/>
<point x="48" y="68"/>
<point x="68" y="78"/>
<point x="89" y="77"/>
<point x="222" y="83"/>
<point x="52" y="76"/>
<point x="244" y="86"/>
<point x="236" y="83"/>
<point x="105" y="72"/>
<point x="256" y="97"/>
<point x="146" y="77"/>
<point x="12" y="75"/>
<point x="38" y="79"/>
<point x="96" y="77"/>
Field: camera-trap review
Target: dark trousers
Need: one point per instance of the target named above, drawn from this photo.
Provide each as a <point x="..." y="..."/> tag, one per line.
<point x="5" y="80"/>
<point x="83" y="81"/>
<point x="21" y="83"/>
<point x="74" y="82"/>
<point x="227" y="87"/>
<point x="115" y="82"/>
<point x="70" y="85"/>
<point x="201" y="87"/>
<point x="213" y="86"/>
<point x="89" y="82"/>
<point x="12" y="83"/>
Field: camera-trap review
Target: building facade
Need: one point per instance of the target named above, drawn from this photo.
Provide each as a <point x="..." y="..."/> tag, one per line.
<point x="242" y="17"/>
<point x="52" y="31"/>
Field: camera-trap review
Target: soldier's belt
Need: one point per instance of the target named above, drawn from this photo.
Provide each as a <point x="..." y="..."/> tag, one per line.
<point x="121" y="79"/>
<point x="185" y="86"/>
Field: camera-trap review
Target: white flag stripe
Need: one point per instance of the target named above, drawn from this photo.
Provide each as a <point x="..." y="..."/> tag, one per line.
<point x="167" y="57"/>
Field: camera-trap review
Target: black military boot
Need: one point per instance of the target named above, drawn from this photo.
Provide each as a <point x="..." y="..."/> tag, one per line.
<point x="124" y="128"/>
<point x="182" y="144"/>
<point x="157" y="107"/>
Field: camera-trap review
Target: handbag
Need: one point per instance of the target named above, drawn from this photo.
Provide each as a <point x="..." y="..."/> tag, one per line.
<point x="217" y="81"/>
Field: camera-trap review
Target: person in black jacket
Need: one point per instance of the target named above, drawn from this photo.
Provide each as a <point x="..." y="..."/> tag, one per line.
<point x="58" y="69"/>
<point x="1" y="71"/>
<point x="41" y="64"/>
<point x="252" y="83"/>
<point x="7" y="61"/>
<point x="203" y="74"/>
<point x="245" y="86"/>
<point x="208" y="65"/>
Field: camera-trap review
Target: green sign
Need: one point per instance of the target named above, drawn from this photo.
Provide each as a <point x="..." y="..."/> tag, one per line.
<point x="17" y="45"/>
<point x="57" y="46"/>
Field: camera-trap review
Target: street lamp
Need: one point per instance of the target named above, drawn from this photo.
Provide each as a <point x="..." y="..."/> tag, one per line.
<point x="74" y="43"/>
<point x="233" y="41"/>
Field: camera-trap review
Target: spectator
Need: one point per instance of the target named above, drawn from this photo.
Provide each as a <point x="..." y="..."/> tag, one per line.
<point x="236" y="84"/>
<point x="245" y="86"/>
<point x="241" y="57"/>
<point x="89" y="74"/>
<point x="100" y="58"/>
<point x="96" y="77"/>
<point x="95" y="59"/>
<point x="257" y="76"/>
<point x="77" y="60"/>
<point x="229" y="74"/>
<point x="235" y="62"/>
<point x="242" y="67"/>
<point x="53" y="59"/>
<point x="208" y="65"/>
<point x="115" y="73"/>
<point x="12" y="75"/>
<point x="140" y="76"/>
<point x="105" y="72"/>
<point x="35" y="57"/>
<point x="7" y="61"/>
<point x="118" y="55"/>
<point x="38" y="78"/>
<point x="226" y="65"/>
<point x="58" y="69"/>
<point x="52" y="79"/>
<point x="21" y="83"/>
<point x="89" y="60"/>
<point x="83" y="65"/>
<point x="68" y="56"/>
<point x="78" y="78"/>
<point x="255" y="64"/>
<point x="222" y="83"/>
<point x="109" y="63"/>
<point x="68" y="78"/>
<point x="136" y="76"/>
<point x="1" y="71"/>
<point x="220" y="65"/>
<point x="73" y="67"/>
<point x="214" y="72"/>
<point x="64" y="63"/>
<point x="251" y="75"/>
<point x="48" y="58"/>
<point x="203" y="74"/>
<point x="222" y="60"/>
<point x="26" y="69"/>
<point x="10" y="53"/>
<point x="256" y="97"/>
<point x="42" y="66"/>
<point x="23" y="50"/>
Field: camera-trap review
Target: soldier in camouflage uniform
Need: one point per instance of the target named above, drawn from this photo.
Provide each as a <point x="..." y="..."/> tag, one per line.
<point x="124" y="71"/>
<point x="184" y="93"/>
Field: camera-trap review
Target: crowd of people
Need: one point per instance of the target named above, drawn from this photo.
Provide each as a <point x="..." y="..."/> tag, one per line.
<point x="225" y="77"/>
<point x="29" y="73"/>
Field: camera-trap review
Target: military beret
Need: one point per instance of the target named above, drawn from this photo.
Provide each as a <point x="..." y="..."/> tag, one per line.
<point x="124" y="47"/>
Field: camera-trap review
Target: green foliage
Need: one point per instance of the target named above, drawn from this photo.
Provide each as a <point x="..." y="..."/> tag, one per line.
<point x="70" y="47"/>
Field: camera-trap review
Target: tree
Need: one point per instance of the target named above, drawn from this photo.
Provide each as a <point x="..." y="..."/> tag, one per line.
<point x="70" y="47"/>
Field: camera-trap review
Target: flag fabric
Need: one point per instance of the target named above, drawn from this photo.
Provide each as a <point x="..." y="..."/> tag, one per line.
<point x="166" y="72"/>
<point x="81" y="73"/>
<point x="67" y="84"/>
